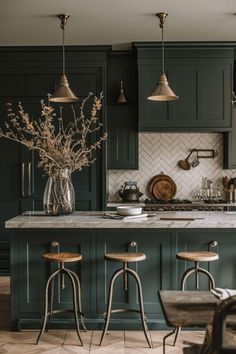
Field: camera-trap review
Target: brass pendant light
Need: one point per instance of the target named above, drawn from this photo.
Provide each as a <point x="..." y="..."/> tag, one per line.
<point x="162" y="92"/>
<point x="63" y="93"/>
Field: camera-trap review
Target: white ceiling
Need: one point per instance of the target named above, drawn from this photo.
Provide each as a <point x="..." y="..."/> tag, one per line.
<point x="115" y="22"/>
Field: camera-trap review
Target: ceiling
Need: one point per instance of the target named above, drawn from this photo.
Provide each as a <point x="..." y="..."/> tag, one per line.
<point x="115" y="22"/>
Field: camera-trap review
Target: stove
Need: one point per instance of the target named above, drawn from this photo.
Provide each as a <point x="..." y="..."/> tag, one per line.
<point x="172" y="201"/>
<point x="184" y="205"/>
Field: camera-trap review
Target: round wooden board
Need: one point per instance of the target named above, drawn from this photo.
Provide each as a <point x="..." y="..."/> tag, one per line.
<point x="162" y="187"/>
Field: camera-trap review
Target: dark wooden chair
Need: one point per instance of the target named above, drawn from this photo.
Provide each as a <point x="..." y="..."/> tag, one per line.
<point x="223" y="332"/>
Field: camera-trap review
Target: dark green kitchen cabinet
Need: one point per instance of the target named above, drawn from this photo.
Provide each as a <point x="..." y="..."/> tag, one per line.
<point x="27" y="75"/>
<point x="230" y="144"/>
<point x="154" y="272"/>
<point x="10" y="198"/>
<point x="122" y="152"/>
<point x="30" y="273"/>
<point x="122" y="118"/>
<point x="201" y="77"/>
<point x="223" y="269"/>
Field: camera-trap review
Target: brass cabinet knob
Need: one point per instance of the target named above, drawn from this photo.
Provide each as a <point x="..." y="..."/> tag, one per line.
<point x="132" y="244"/>
<point x="213" y="243"/>
<point x="54" y="244"/>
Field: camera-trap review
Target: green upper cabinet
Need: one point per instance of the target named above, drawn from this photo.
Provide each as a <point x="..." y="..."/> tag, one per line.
<point x="230" y="144"/>
<point x="122" y="118"/>
<point x="201" y="77"/>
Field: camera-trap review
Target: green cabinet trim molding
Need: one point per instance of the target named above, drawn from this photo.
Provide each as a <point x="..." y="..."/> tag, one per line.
<point x="160" y="271"/>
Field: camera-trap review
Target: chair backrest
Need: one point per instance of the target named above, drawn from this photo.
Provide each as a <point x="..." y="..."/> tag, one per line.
<point x="219" y="343"/>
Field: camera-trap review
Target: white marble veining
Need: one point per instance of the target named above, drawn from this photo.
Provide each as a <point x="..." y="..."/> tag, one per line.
<point x="94" y="219"/>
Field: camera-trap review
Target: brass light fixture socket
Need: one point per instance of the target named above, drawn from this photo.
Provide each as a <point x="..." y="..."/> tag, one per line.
<point x="162" y="17"/>
<point x="64" y="19"/>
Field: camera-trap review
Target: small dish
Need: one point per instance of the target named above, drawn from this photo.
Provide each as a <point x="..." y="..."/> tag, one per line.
<point x="128" y="210"/>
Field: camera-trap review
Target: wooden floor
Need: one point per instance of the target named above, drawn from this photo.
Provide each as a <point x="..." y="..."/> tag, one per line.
<point x="66" y="342"/>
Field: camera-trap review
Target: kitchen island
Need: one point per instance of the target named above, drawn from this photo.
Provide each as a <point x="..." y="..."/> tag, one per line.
<point x="92" y="235"/>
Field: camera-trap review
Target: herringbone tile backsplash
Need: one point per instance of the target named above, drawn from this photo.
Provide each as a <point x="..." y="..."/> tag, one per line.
<point x="161" y="153"/>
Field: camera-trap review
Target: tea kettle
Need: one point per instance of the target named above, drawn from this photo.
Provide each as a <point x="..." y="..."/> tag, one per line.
<point x="130" y="192"/>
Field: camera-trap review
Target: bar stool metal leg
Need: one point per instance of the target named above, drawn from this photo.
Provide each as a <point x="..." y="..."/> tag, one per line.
<point x="81" y="314"/>
<point x="52" y="298"/>
<point x="197" y="270"/>
<point x="109" y="303"/>
<point x="110" y="295"/>
<point x="46" y="304"/>
<point x="61" y="271"/>
<point x="74" y="302"/>
<point x="140" y="294"/>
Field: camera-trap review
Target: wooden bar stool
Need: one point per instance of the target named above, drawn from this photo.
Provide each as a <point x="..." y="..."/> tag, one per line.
<point x="196" y="257"/>
<point x="62" y="258"/>
<point x="125" y="258"/>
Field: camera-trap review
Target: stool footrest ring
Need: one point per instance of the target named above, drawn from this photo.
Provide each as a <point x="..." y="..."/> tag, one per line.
<point x="123" y="310"/>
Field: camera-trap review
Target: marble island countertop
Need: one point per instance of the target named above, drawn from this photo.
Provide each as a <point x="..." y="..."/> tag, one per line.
<point x="95" y="219"/>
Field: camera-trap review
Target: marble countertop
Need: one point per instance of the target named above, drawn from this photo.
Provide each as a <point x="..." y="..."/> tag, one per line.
<point x="95" y="219"/>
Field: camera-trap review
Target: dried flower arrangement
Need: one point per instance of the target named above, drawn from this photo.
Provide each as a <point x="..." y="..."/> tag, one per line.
<point x="60" y="146"/>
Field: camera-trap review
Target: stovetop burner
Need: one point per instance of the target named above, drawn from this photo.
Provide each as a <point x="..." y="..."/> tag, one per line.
<point x="172" y="201"/>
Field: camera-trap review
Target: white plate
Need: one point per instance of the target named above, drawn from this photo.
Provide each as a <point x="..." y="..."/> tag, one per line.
<point x="128" y="210"/>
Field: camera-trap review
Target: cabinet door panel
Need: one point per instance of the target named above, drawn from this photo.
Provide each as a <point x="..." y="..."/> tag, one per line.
<point x="184" y="110"/>
<point x="214" y="91"/>
<point x="122" y="138"/>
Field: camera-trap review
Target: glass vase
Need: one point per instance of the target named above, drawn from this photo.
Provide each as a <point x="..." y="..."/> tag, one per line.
<point x="59" y="195"/>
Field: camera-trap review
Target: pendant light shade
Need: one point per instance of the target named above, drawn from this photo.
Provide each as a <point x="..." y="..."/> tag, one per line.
<point x="162" y="91"/>
<point x="63" y="93"/>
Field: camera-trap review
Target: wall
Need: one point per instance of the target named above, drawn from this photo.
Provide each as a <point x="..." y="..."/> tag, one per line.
<point x="161" y="153"/>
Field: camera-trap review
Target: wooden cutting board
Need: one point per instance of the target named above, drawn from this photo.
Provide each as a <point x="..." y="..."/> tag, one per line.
<point x="162" y="187"/>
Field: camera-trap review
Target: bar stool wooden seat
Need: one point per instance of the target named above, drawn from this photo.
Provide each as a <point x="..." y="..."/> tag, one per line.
<point x="62" y="258"/>
<point x="196" y="257"/>
<point x="125" y="258"/>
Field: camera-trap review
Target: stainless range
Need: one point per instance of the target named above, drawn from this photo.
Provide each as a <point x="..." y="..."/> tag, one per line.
<point x="185" y="205"/>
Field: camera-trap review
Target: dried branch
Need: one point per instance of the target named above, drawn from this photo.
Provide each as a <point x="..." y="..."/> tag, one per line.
<point x="59" y="145"/>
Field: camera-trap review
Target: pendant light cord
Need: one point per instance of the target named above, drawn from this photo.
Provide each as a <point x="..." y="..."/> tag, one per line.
<point x="63" y="50"/>
<point x="163" y="57"/>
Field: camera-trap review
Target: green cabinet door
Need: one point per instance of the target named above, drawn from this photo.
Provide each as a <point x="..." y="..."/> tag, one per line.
<point x="122" y="152"/>
<point x="201" y="77"/>
<point x="223" y="269"/>
<point x="30" y="272"/>
<point x="122" y="119"/>
<point x="154" y="272"/>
